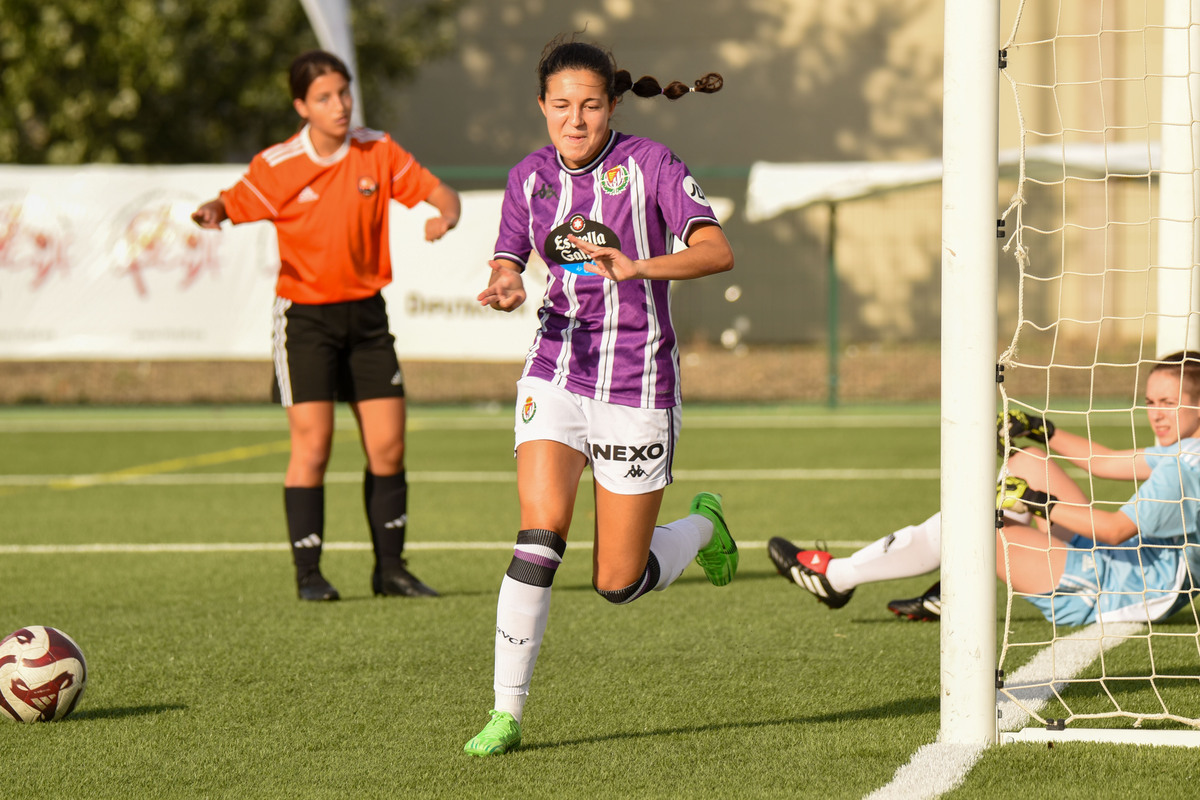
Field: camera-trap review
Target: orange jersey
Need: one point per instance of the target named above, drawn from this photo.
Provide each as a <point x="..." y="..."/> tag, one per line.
<point x="330" y="214"/>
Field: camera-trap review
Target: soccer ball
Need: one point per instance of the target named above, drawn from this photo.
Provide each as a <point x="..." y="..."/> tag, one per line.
<point x="42" y="675"/>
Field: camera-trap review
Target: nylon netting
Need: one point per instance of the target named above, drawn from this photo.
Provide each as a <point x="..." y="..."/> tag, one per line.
<point x="1100" y="296"/>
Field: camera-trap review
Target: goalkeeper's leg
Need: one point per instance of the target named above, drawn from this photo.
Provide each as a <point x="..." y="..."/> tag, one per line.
<point x="910" y="551"/>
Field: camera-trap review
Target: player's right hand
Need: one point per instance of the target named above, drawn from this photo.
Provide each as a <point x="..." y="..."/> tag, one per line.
<point x="1016" y="495"/>
<point x="505" y="290"/>
<point x="211" y="214"/>
<point x="1022" y="424"/>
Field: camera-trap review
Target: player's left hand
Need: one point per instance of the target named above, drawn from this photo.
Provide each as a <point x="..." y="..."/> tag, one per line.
<point x="1016" y="494"/>
<point x="1021" y="424"/>
<point x="436" y="228"/>
<point x="608" y="262"/>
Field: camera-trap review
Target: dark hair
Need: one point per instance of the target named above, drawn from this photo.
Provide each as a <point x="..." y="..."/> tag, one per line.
<point x="563" y="54"/>
<point x="307" y="67"/>
<point x="1184" y="364"/>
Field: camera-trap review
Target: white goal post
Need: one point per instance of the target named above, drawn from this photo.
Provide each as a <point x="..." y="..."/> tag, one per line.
<point x="968" y="356"/>
<point x="1098" y="259"/>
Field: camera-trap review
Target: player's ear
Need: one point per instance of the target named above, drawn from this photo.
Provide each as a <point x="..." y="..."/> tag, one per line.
<point x="301" y="108"/>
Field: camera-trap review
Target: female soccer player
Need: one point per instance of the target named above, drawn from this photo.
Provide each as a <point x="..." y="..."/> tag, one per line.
<point x="601" y="381"/>
<point x="1133" y="564"/>
<point x="328" y="191"/>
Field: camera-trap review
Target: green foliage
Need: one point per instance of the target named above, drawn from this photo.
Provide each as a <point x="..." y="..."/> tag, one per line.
<point x="180" y="81"/>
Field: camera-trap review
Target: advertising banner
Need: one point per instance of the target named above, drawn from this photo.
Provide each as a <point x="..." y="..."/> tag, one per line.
<point x="104" y="262"/>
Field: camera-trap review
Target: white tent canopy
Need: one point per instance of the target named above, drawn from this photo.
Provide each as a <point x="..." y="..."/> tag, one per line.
<point x="775" y="188"/>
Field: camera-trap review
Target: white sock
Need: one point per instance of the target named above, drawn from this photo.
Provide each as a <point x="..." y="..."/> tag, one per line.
<point x="521" y="615"/>
<point x="909" y="551"/>
<point x="675" y="546"/>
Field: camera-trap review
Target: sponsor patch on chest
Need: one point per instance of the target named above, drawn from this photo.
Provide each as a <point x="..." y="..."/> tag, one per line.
<point x="558" y="249"/>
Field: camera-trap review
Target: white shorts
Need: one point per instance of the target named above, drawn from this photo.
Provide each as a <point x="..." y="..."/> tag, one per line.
<point x="630" y="449"/>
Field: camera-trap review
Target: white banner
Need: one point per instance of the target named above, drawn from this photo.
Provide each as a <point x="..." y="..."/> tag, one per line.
<point x="104" y="262"/>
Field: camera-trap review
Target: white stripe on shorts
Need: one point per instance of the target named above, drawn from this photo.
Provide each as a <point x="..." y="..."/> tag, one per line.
<point x="279" y="349"/>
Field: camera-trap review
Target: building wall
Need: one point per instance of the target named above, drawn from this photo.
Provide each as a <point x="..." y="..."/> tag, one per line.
<point x="804" y="81"/>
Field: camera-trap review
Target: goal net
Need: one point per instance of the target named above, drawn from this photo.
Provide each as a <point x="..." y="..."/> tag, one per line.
<point x="1098" y="276"/>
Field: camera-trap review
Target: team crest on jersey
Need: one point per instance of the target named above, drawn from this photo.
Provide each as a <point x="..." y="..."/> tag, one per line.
<point x="614" y="180"/>
<point x="528" y="409"/>
<point x="558" y="249"/>
<point x="367" y="186"/>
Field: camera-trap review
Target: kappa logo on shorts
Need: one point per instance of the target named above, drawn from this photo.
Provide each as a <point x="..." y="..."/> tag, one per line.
<point x="528" y="409"/>
<point x="636" y="471"/>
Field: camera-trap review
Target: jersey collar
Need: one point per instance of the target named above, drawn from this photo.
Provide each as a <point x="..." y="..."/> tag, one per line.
<point x="595" y="162"/>
<point x="324" y="161"/>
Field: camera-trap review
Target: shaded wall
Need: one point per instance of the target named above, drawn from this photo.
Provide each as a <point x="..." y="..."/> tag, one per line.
<point x="805" y="81"/>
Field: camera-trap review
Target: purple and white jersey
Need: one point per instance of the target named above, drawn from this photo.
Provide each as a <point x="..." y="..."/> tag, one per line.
<point x="610" y="341"/>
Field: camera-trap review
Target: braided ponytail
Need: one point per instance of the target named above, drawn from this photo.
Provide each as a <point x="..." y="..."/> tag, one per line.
<point x="648" y="85"/>
<point x="562" y="54"/>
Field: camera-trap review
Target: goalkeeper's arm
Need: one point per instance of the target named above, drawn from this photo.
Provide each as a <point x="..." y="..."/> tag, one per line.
<point x="1098" y="459"/>
<point x="1105" y="527"/>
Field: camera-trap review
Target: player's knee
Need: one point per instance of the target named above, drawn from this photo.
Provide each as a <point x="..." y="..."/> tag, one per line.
<point x="627" y="594"/>
<point x="386" y="460"/>
<point x="536" y="557"/>
<point x="309" y="461"/>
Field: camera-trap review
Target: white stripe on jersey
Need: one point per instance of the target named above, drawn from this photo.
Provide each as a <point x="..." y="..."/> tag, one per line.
<point x="606" y="357"/>
<point x="404" y="170"/>
<point x="261" y="197"/>
<point x="367" y="135"/>
<point x="637" y="206"/>
<point x="279" y="349"/>
<point x="276" y="155"/>
<point x="541" y="331"/>
<point x="562" y="365"/>
<point x="641" y="237"/>
<point x="530" y="182"/>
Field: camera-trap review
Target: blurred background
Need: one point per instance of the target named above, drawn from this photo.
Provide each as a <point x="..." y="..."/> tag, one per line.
<point x="835" y="297"/>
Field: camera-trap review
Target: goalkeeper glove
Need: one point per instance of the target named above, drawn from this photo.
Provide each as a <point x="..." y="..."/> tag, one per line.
<point x="1020" y="423"/>
<point x="1014" y="494"/>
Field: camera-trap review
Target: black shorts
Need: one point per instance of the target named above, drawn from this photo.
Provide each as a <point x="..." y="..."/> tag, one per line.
<point x="332" y="352"/>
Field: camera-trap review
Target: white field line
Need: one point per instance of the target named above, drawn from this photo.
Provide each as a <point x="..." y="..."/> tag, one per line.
<point x="940" y="767"/>
<point x="259" y="547"/>
<point x="416" y="422"/>
<point x="454" y="476"/>
<point x="131" y="423"/>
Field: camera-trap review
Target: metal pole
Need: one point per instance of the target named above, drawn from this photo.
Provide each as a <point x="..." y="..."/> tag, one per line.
<point x="833" y="315"/>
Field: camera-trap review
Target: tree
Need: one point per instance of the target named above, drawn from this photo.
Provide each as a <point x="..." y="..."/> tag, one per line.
<point x="181" y="81"/>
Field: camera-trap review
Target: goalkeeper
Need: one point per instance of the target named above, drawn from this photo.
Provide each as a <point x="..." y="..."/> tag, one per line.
<point x="1074" y="560"/>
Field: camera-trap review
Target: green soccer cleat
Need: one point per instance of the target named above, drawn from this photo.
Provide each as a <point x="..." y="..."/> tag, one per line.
<point x="718" y="558"/>
<point x="501" y="735"/>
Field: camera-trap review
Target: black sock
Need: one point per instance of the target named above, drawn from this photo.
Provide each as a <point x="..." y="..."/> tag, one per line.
<point x="305" y="510"/>
<point x="386" y="501"/>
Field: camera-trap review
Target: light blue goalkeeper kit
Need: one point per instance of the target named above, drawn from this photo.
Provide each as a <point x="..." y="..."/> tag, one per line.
<point x="1151" y="575"/>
